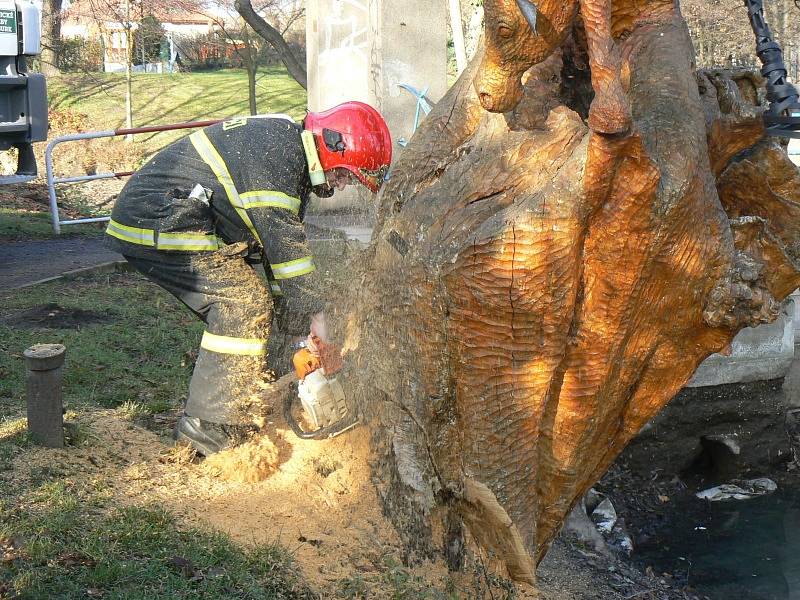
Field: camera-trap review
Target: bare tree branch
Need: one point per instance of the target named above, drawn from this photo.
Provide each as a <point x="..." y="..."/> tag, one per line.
<point x="274" y="38"/>
<point x="292" y="19"/>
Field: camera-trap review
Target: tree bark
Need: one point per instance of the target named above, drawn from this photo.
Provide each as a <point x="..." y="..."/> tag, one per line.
<point x="274" y="38"/>
<point x="51" y="36"/>
<point x="535" y="291"/>
<point x="249" y="56"/>
<point x="128" y="71"/>
<point x="251" y="87"/>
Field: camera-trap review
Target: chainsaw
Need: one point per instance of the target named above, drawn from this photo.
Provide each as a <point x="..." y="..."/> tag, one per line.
<point x="782" y="118"/>
<point x="320" y="394"/>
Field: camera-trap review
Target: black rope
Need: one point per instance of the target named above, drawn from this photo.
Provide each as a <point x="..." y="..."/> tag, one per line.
<point x="783" y="115"/>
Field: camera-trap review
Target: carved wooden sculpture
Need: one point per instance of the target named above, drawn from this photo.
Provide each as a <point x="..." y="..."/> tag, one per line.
<point x="537" y="289"/>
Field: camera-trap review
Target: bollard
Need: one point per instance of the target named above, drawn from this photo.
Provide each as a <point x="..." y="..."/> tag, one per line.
<point x="44" y="363"/>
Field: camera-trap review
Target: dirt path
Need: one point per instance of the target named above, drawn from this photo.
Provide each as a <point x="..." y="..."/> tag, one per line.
<point x="26" y="262"/>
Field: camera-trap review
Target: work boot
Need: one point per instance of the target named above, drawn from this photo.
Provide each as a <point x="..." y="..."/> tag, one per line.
<point x="208" y="438"/>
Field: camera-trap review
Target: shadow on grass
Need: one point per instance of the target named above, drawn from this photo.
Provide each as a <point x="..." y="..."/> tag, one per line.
<point x="78" y="90"/>
<point x="26" y="225"/>
<point x="65" y="544"/>
<point x="152" y="337"/>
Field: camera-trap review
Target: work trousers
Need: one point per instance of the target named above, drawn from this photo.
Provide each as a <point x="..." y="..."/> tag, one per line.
<point x="236" y="305"/>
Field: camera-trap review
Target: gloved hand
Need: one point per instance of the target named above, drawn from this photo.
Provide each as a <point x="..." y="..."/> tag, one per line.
<point x="328" y="355"/>
<point x="305" y="362"/>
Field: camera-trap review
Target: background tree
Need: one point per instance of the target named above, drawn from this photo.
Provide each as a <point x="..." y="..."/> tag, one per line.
<point x="51" y="36"/>
<point x="131" y="14"/>
<point x="274" y="36"/>
<point x="148" y="40"/>
<point x="721" y="32"/>
<point x="247" y="45"/>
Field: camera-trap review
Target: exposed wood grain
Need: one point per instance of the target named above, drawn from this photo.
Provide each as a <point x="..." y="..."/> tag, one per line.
<point x="537" y="289"/>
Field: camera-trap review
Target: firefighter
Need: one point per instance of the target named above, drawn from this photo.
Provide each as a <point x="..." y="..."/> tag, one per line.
<point x="202" y="211"/>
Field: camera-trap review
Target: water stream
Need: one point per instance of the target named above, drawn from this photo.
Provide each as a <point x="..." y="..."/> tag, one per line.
<point x="734" y="550"/>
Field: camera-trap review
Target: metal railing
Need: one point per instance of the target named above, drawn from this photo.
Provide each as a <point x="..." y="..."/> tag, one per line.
<point x="423" y="105"/>
<point x="52" y="180"/>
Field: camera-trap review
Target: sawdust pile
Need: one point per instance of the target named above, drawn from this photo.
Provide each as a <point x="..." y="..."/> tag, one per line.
<point x="317" y="500"/>
<point x="251" y="462"/>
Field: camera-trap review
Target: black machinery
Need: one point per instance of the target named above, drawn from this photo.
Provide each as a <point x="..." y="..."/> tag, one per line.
<point x="23" y="95"/>
<point x="783" y="115"/>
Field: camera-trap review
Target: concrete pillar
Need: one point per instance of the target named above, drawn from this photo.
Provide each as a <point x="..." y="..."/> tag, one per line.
<point x="757" y="354"/>
<point x="795" y="296"/>
<point x="362" y="50"/>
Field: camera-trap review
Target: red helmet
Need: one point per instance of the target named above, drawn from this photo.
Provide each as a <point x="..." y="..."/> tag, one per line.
<point x="355" y="137"/>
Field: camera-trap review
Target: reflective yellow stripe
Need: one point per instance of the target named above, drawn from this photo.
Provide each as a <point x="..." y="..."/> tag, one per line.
<point x="234" y="123"/>
<point x="212" y="158"/>
<point x="187" y="241"/>
<point x="275" y="288"/>
<point x="230" y="345"/>
<point x="293" y="268"/>
<point x="262" y="198"/>
<point x="132" y="235"/>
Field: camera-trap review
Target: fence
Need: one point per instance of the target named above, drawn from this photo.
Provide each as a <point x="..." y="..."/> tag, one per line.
<point x="52" y="180"/>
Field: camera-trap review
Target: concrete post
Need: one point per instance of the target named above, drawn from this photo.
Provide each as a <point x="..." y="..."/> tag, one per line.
<point x="44" y="364"/>
<point x="362" y="49"/>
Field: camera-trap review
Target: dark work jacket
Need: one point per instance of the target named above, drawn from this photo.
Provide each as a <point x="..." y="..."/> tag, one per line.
<point x="244" y="180"/>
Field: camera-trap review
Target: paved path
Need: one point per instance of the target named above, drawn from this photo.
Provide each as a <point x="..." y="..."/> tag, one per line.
<point x="22" y="263"/>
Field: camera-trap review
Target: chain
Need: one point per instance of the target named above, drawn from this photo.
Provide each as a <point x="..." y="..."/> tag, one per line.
<point x="783" y="115"/>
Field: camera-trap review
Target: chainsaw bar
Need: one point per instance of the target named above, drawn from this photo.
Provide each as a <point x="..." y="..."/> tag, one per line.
<point x="782" y="117"/>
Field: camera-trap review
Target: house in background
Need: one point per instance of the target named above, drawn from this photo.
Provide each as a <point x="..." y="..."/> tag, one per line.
<point x="82" y="19"/>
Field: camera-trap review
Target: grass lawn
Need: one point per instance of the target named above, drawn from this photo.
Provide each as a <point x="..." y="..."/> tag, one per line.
<point x="173" y="98"/>
<point x="17" y="224"/>
<point x="127" y="341"/>
<point x="70" y="552"/>
<point x="63" y="531"/>
<point x="96" y="101"/>
<point x="128" y="345"/>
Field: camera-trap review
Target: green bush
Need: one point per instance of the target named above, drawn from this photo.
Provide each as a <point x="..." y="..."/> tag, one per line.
<point x="80" y="55"/>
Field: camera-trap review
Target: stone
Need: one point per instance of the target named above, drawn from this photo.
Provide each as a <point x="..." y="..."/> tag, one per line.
<point x="757" y="354"/>
<point x="605" y="516"/>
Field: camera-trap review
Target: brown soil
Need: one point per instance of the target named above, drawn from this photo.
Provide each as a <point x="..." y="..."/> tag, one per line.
<point x="30" y="197"/>
<point x="53" y="316"/>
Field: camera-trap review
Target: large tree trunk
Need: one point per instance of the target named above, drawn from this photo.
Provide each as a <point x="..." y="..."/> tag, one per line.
<point x="535" y="292"/>
<point x="51" y="36"/>
<point x="251" y="87"/>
